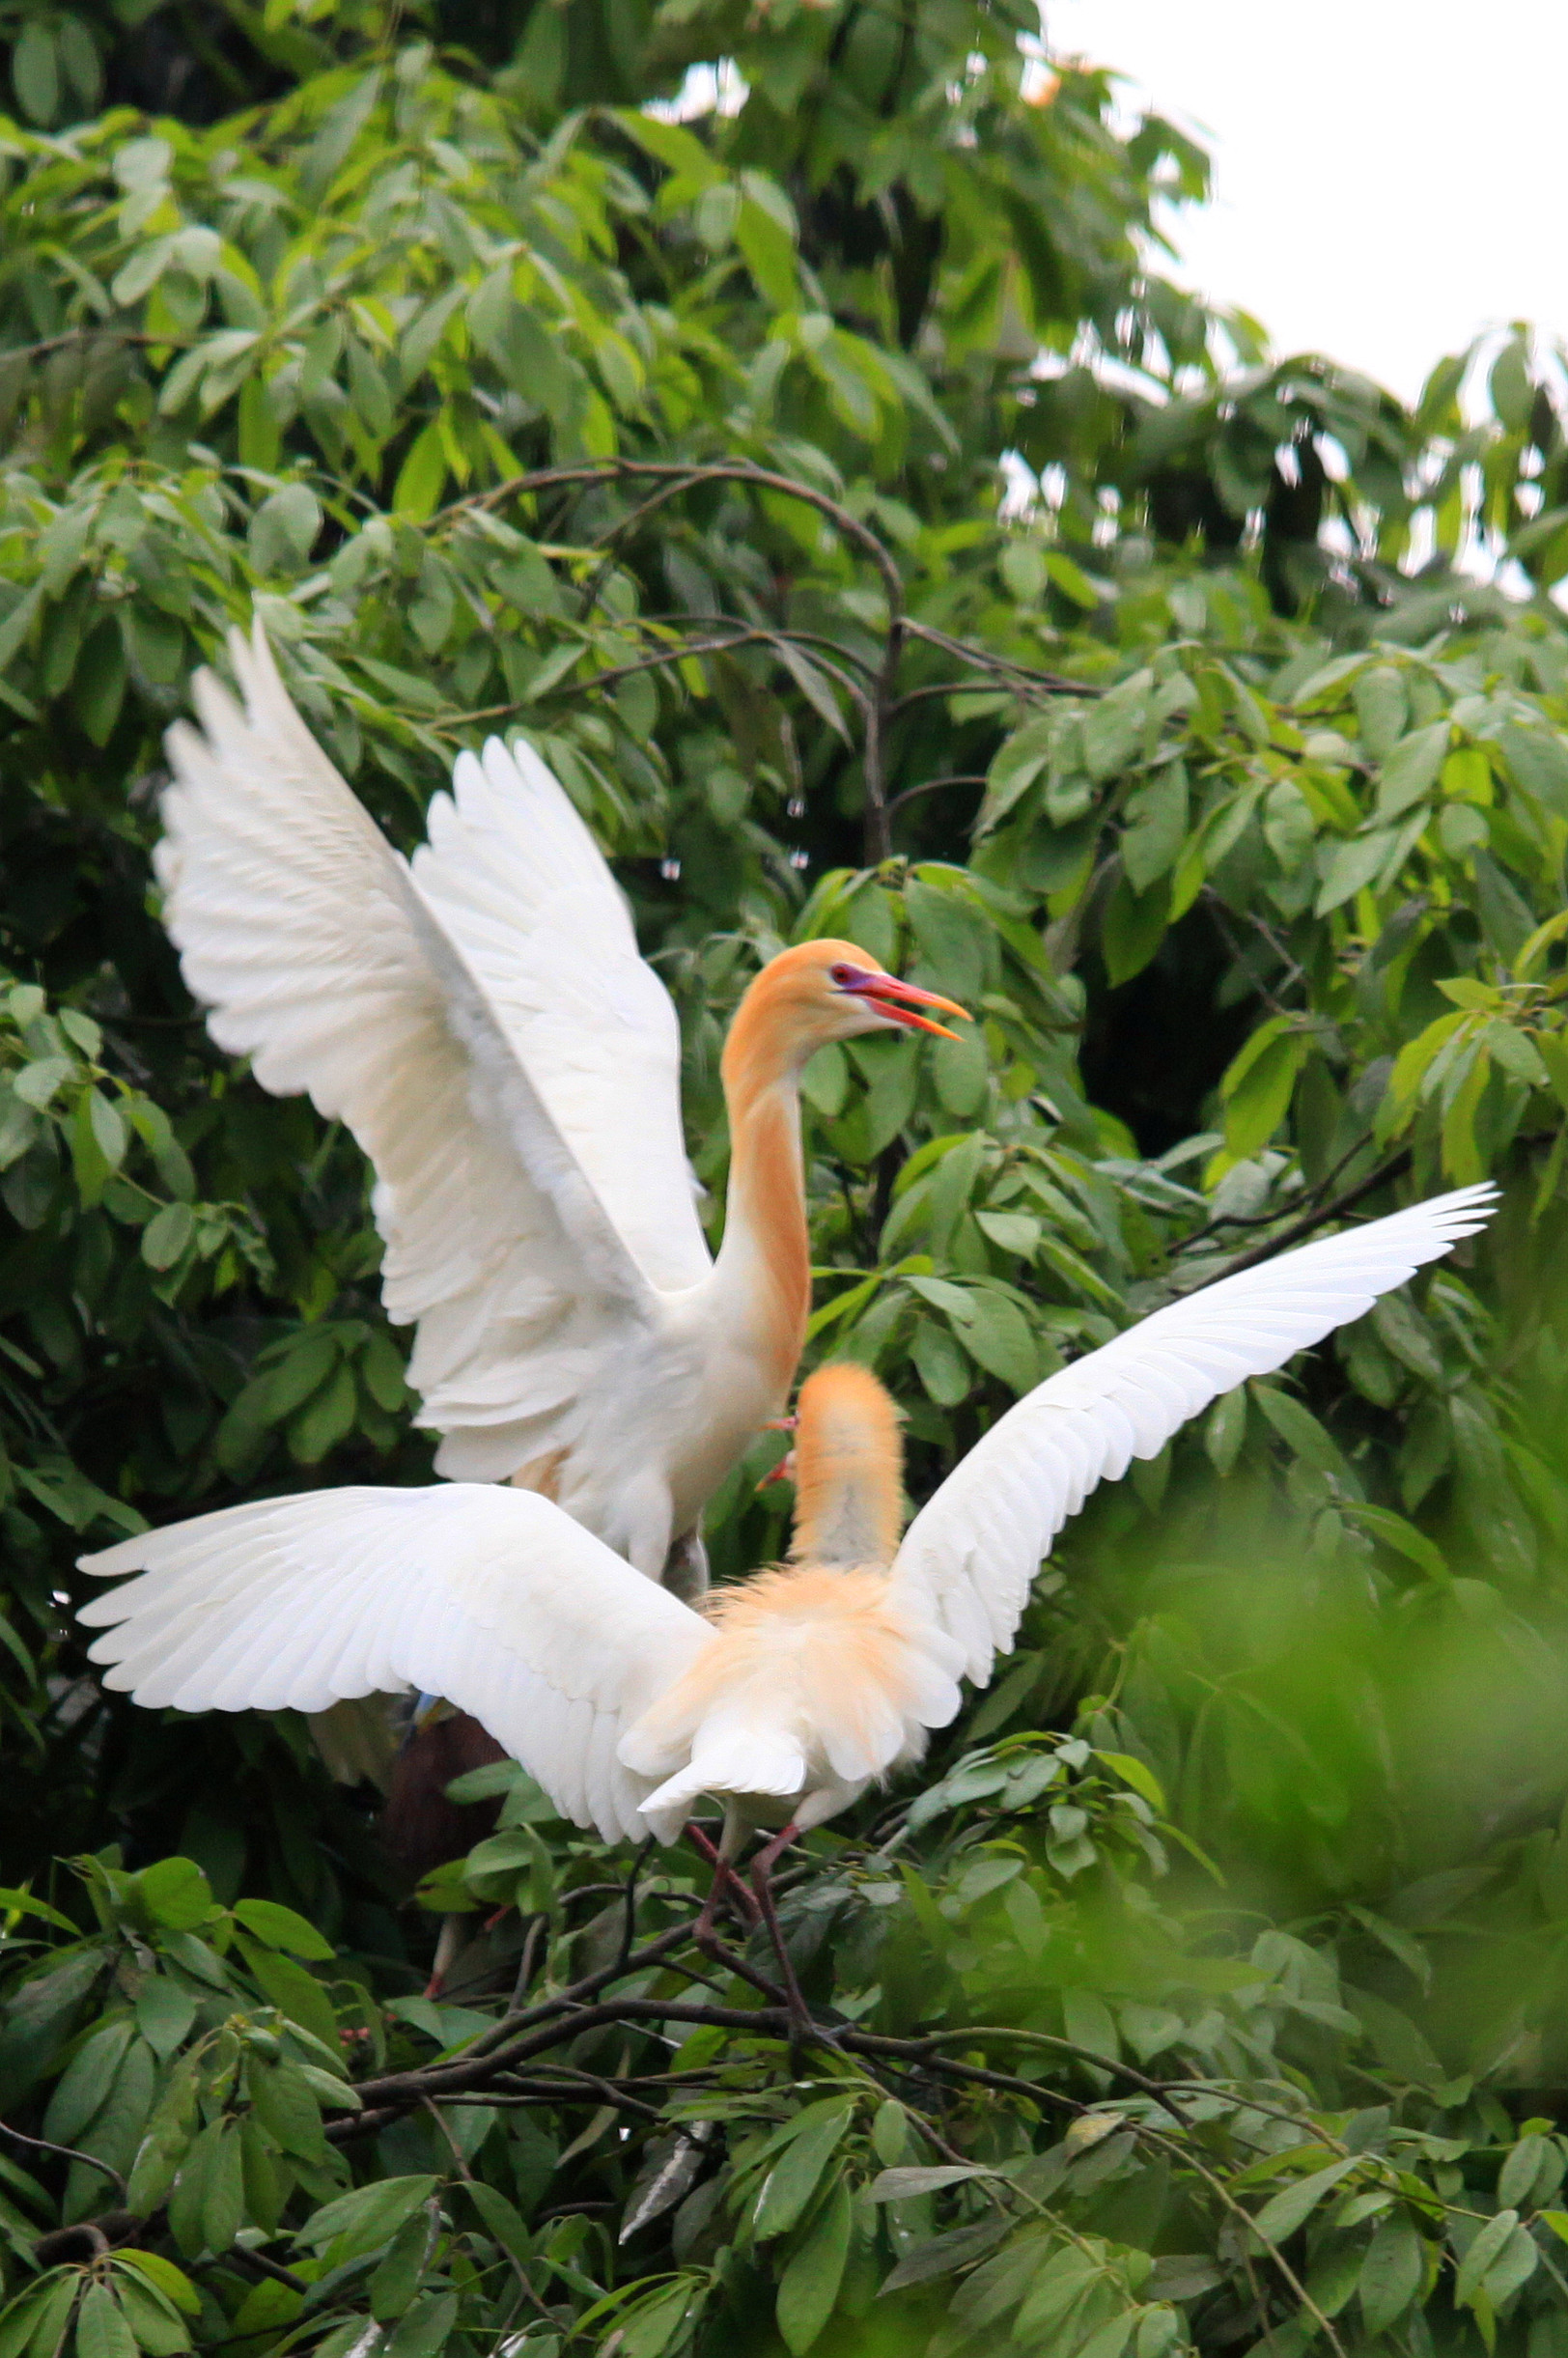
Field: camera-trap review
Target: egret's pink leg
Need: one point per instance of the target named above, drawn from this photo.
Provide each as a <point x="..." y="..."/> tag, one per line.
<point x="725" y="1879"/>
<point x="448" y="1948"/>
<point x="801" y="2025"/>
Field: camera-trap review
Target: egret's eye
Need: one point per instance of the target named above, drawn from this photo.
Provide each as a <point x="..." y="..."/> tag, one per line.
<point x="843" y="978"/>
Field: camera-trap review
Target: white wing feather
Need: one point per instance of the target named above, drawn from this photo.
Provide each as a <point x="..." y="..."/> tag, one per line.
<point x="491" y="1597"/>
<point x="518" y="884"/>
<point x="970" y="1555"/>
<point x="435" y="1037"/>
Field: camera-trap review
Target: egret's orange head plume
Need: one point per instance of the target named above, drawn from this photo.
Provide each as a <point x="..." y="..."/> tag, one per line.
<point x="849" y="1470"/>
<point x="818" y="991"/>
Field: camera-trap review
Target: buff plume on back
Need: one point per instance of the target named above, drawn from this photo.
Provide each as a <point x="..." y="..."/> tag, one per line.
<point x="849" y="1470"/>
<point x="818" y="1684"/>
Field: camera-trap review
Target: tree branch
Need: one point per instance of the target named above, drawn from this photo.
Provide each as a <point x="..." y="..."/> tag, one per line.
<point x="679" y="477"/>
<point x="43" y="2144"/>
<point x="1394" y="1169"/>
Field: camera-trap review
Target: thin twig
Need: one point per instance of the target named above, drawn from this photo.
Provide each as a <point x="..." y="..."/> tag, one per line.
<point x="630" y="1903"/>
<point x="241" y="2255"/>
<point x="1394" y="1169"/>
<point x="1186" y="2155"/>
<point x="1159" y="2089"/>
<point x="1266" y="1219"/>
<point x="728" y="471"/>
<point x="1051" y="682"/>
<point x="87" y="334"/>
<point x="930" y="786"/>
<point x="663" y="659"/>
<point x="45" y="2145"/>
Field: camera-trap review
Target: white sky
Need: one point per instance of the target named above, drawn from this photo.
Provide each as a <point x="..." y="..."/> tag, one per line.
<point x="1388" y="174"/>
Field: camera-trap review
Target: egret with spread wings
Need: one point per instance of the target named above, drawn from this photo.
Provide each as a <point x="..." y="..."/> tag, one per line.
<point x="790" y="1692"/>
<point x="481" y="1019"/>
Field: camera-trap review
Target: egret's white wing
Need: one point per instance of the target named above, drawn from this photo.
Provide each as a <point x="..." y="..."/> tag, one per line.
<point x="521" y="887"/>
<point x="494" y="1598"/>
<point x="304" y="933"/>
<point x="971" y="1552"/>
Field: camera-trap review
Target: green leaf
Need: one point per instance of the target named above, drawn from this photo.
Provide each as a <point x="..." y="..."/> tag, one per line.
<point x="1225" y="1429"/>
<point x="397" y="2276"/>
<point x="37" y="1082"/>
<point x="997" y="1336"/>
<point x="167" y="1235"/>
<point x="87" y="2082"/>
<point x="165" y="2011"/>
<point x="1391" y="2272"/>
<point x="422" y="476"/>
<point x="325" y="1419"/>
<point x="175" y="1893"/>
<point x="368" y="2218"/>
<point x="1133" y="927"/>
<point x="294" y="1991"/>
<point x="281" y="1928"/>
<point x="1257" y="1087"/>
<point x="101" y="2330"/>
<point x="1156" y="813"/>
<point x="35" y="77"/>
<point x="1302" y="1432"/>
<point x="809" y="2285"/>
<point x="223" y="2190"/>
<point x="286" y="2105"/>
<point x="793" y="2180"/>
<point x="426" y="2328"/>
<point x="1071" y="579"/>
<point x="1293" y="2205"/>
<point x="1514" y="2265"/>
<point x="1394" y="1531"/>
<point x="1486" y="2247"/>
<point x="1411" y="770"/>
<point x="902" y="2184"/>
<point x="1138" y="1775"/>
<point x="188" y="2198"/>
<point x="1348" y="867"/>
<point x="503" y="2220"/>
<point x="171" y="2282"/>
<point x="38" y="2316"/>
<point x="1521" y="2167"/>
<point x="284" y="529"/>
<point x="157" y="2328"/>
<point x="24" y="1903"/>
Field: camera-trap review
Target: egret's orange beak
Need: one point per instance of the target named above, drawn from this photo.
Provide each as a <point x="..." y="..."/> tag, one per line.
<point x="901" y="999"/>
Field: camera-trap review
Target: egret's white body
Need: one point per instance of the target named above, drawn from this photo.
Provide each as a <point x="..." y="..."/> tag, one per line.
<point x="795" y="1689"/>
<point x="481" y="1019"/>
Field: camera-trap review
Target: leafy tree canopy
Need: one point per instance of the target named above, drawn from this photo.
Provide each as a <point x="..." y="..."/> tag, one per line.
<point x="834" y="492"/>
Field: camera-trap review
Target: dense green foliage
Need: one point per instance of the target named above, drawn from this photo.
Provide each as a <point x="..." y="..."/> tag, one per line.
<point x="1207" y="1988"/>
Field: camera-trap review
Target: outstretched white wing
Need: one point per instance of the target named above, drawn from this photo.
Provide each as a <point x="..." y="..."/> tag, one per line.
<point x="971" y="1552"/>
<point x="491" y="1597"/>
<point x="493" y="1040"/>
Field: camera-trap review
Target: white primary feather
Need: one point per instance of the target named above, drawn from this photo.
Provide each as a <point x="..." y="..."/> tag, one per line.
<point x="485" y="1028"/>
<point x="492" y="1597"/>
<point x="971" y="1552"/>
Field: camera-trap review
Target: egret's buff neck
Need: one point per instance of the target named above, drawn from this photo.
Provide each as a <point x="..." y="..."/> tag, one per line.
<point x="784" y="1016"/>
<point x="849" y="1470"/>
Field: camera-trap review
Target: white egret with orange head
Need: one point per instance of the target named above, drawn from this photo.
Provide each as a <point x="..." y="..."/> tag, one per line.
<point x="788" y="1694"/>
<point x="480" y="1019"/>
